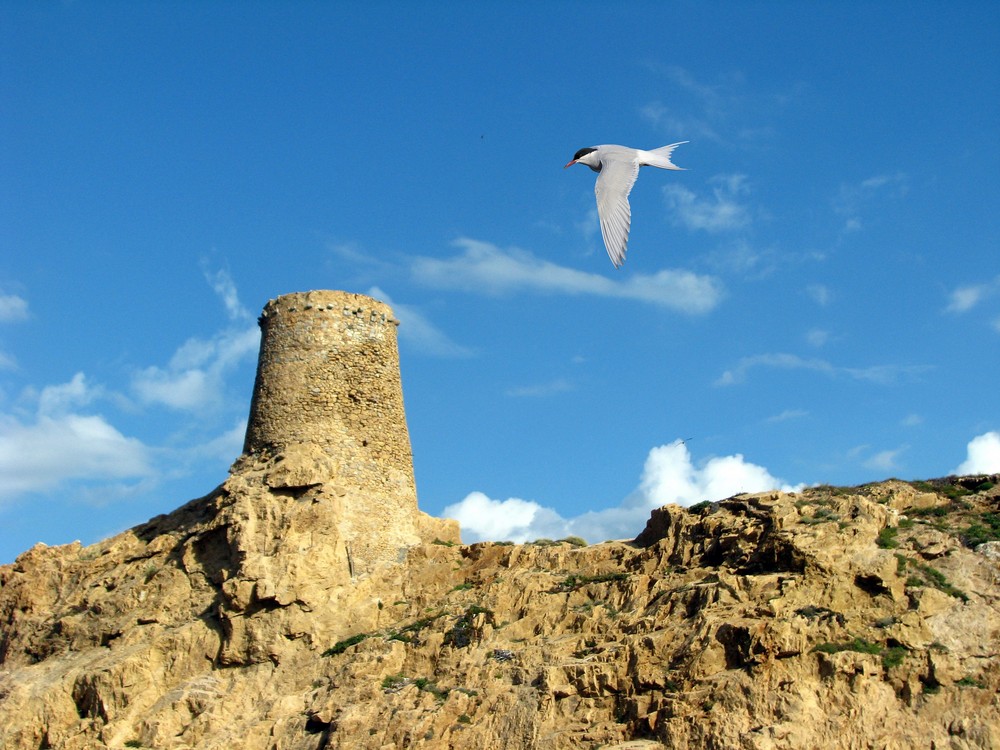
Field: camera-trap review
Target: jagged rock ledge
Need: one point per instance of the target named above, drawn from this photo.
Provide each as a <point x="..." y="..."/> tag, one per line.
<point x="835" y="618"/>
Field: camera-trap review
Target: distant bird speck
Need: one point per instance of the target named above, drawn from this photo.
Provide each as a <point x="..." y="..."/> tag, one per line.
<point x="617" y="168"/>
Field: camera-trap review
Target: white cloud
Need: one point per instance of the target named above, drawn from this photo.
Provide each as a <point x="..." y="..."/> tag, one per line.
<point x="513" y="519"/>
<point x="65" y="446"/>
<point x="711" y="96"/>
<point x="912" y="420"/>
<point x="12" y="308"/>
<point x="224" y="286"/>
<point x="701" y="111"/>
<point x="779" y="361"/>
<point x="60" y="448"/>
<point x="669" y="476"/>
<point x="417" y="330"/>
<point x="853" y="199"/>
<point x="817" y="337"/>
<point x="739" y="256"/>
<point x="675" y="121"/>
<point x="559" y="385"/>
<point x="885" y="461"/>
<point x="964" y="298"/>
<point x="42" y="456"/>
<point x="589" y="224"/>
<point x="820" y="294"/>
<point x="483" y="267"/>
<point x="60" y="399"/>
<point x="786" y="415"/>
<point x="194" y="378"/>
<point x="225" y="447"/>
<point x="722" y="212"/>
<point x="882" y="374"/>
<point x="982" y="455"/>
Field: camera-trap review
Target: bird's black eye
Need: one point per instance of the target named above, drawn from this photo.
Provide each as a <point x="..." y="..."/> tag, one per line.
<point x="582" y="152"/>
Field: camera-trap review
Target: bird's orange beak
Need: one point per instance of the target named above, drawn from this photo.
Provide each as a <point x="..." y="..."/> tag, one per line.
<point x="570" y="164"/>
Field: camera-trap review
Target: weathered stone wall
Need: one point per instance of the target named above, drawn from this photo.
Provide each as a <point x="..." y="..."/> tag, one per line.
<point x="328" y="376"/>
<point x="327" y="412"/>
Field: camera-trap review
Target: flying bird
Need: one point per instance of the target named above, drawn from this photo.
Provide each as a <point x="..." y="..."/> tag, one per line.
<point x="617" y="168"/>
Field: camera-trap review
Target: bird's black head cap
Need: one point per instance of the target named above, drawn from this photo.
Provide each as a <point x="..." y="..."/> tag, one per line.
<point x="583" y="152"/>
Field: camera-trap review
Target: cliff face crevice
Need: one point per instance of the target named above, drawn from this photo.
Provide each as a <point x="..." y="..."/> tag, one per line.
<point x="839" y="618"/>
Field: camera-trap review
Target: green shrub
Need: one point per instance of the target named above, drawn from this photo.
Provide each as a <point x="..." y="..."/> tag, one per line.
<point x="893" y="656"/>
<point x="393" y="682"/>
<point x="934" y="577"/>
<point x="573" y="582"/>
<point x="821" y="515"/>
<point x="970" y="682"/>
<point x="887" y="538"/>
<point x="410" y="632"/>
<point x="858" y="645"/>
<point x="341" y="646"/>
<point x="985" y="529"/>
<point x="427" y="686"/>
<point x="463" y="633"/>
<point x="900" y="564"/>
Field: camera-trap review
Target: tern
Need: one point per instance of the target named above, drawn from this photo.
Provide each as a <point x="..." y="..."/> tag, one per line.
<point x="617" y="168"/>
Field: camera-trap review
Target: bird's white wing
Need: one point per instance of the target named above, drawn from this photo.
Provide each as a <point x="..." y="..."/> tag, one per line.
<point x="614" y="183"/>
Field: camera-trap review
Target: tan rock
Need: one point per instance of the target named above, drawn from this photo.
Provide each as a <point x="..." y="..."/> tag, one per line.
<point x="286" y="610"/>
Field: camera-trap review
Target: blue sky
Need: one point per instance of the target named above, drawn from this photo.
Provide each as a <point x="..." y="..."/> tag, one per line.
<point x="815" y="300"/>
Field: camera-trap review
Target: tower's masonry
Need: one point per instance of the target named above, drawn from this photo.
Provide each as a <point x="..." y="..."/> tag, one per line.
<point x="327" y="412"/>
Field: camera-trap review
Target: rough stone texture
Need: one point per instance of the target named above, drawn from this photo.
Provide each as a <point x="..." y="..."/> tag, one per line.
<point x="262" y="617"/>
<point x="763" y="621"/>
<point x="327" y="412"/>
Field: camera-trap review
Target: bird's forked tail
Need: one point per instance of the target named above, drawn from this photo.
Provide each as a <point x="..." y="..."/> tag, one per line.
<point x="660" y="157"/>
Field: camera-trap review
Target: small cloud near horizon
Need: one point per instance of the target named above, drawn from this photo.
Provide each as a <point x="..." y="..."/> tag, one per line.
<point x="669" y="476"/>
<point x="982" y="455"/>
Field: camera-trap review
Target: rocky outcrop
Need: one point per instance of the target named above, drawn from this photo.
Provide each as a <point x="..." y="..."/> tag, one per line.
<point x="835" y="618"/>
<point x="308" y="603"/>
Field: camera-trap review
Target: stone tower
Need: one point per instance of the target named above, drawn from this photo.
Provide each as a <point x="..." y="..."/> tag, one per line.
<point x="327" y="411"/>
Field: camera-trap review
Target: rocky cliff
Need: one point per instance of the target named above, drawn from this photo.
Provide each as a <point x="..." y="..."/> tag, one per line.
<point x="308" y="603"/>
<point x="836" y="618"/>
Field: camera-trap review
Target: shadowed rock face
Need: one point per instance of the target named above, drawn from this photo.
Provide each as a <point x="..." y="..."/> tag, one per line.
<point x="837" y="618"/>
<point x="307" y="603"/>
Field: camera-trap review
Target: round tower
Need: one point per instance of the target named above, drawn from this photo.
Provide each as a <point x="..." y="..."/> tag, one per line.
<point x="327" y="419"/>
<point x="328" y="377"/>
